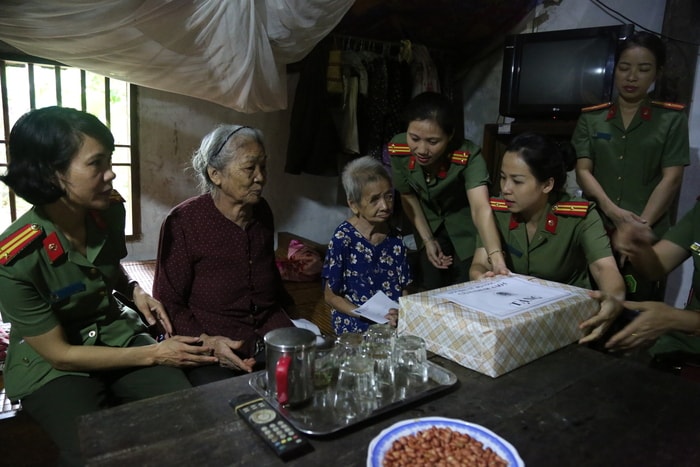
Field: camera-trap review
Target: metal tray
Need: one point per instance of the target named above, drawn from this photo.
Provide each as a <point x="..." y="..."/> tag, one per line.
<point x="320" y="417"/>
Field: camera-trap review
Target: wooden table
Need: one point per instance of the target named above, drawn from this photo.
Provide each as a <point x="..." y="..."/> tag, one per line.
<point x="575" y="407"/>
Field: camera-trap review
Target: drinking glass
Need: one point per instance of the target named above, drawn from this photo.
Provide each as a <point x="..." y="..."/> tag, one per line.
<point x="379" y="346"/>
<point x="411" y="362"/>
<point x="355" y="391"/>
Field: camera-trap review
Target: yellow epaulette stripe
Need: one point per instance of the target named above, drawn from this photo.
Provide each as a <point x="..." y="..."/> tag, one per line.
<point x="115" y="197"/>
<point x="398" y="149"/>
<point x="498" y="204"/>
<point x="16" y="242"/>
<point x="604" y="105"/>
<point x="460" y="157"/>
<point x="669" y="105"/>
<point x="572" y="208"/>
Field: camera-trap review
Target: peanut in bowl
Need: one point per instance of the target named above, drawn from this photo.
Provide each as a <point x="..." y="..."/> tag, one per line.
<point x="440" y="441"/>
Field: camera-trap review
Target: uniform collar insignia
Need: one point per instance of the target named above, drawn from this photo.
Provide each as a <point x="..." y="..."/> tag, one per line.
<point x="412" y="163"/>
<point x="513" y="222"/>
<point x="53" y="248"/>
<point x="645" y="113"/>
<point x="611" y="113"/>
<point x="550" y="224"/>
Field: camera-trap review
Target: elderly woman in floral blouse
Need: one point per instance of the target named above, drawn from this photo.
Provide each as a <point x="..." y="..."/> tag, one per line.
<point x="366" y="254"/>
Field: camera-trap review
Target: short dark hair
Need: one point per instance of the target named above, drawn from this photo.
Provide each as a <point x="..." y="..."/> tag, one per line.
<point x="43" y="143"/>
<point x="545" y="158"/>
<point x="438" y="108"/>
<point x="647" y="40"/>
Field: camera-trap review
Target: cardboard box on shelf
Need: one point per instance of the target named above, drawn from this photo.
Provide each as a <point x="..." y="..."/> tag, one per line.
<point x="489" y="343"/>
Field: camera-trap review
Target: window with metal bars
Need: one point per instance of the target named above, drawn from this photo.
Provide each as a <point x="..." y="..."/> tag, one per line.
<point x="34" y="83"/>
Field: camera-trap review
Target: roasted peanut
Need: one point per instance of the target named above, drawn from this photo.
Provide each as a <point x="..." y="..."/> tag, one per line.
<point x="440" y="447"/>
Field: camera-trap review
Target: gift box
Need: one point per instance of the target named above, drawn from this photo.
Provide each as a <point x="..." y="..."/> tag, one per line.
<point x="498" y="340"/>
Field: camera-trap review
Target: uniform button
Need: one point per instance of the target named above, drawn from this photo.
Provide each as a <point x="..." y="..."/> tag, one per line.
<point x="617" y="199"/>
<point x="92" y="333"/>
<point x="619" y="178"/>
<point x="93" y="271"/>
<point x="622" y="157"/>
<point x="103" y="292"/>
<point x="624" y="136"/>
<point x="25" y="359"/>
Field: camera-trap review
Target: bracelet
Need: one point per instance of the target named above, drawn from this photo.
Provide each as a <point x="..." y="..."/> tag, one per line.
<point x="493" y="252"/>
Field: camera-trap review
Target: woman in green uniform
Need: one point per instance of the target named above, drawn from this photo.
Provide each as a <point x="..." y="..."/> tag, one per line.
<point x="74" y="348"/>
<point x="545" y="232"/>
<point x="442" y="179"/>
<point x="631" y="152"/>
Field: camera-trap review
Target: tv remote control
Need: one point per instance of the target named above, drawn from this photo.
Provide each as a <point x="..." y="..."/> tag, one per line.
<point x="278" y="433"/>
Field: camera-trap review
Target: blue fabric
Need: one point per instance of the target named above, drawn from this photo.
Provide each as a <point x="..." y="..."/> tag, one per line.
<point x="356" y="269"/>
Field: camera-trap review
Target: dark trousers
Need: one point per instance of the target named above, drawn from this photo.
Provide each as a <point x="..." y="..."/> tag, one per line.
<point x="429" y="277"/>
<point x="58" y="404"/>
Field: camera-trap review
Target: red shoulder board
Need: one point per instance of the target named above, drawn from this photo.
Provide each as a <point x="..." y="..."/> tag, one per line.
<point x="498" y="204"/>
<point x="669" y="105"/>
<point x="115" y="197"/>
<point x="571" y="208"/>
<point x="18" y="241"/>
<point x="460" y="157"/>
<point x="397" y="149"/>
<point x="604" y="105"/>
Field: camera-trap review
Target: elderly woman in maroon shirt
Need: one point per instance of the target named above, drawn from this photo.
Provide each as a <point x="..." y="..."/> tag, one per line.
<point x="216" y="272"/>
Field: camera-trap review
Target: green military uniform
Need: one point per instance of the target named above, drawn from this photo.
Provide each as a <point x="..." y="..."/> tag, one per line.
<point x="628" y="162"/>
<point x="444" y="198"/>
<point x="685" y="234"/>
<point x="46" y="283"/>
<point x="569" y="238"/>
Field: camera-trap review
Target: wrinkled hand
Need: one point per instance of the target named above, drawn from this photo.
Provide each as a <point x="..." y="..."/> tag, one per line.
<point x="393" y="317"/>
<point x="223" y="348"/>
<point x="152" y="310"/>
<point x="182" y="351"/>
<point x="609" y="309"/>
<point x="435" y="255"/>
<point x="651" y="322"/>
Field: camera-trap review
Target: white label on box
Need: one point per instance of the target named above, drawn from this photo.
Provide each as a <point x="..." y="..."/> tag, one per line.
<point x="504" y="297"/>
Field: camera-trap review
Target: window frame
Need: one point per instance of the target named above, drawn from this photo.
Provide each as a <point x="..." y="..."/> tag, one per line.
<point x="135" y="194"/>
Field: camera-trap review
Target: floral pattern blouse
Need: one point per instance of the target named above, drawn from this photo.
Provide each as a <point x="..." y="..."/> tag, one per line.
<point x="356" y="270"/>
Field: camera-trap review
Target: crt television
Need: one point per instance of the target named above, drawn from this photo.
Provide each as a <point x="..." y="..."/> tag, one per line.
<point x="552" y="75"/>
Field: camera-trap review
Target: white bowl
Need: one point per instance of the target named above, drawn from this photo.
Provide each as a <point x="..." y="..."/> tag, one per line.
<point x="381" y="444"/>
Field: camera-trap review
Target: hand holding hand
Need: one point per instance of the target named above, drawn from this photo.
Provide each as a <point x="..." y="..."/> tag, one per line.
<point x="629" y="237"/>
<point x="223" y="348"/>
<point x="183" y="351"/>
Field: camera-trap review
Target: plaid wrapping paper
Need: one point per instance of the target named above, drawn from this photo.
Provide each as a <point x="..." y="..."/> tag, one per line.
<point x="490" y="345"/>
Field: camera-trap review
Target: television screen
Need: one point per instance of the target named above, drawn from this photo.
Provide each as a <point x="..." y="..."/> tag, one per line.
<point x="554" y="74"/>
